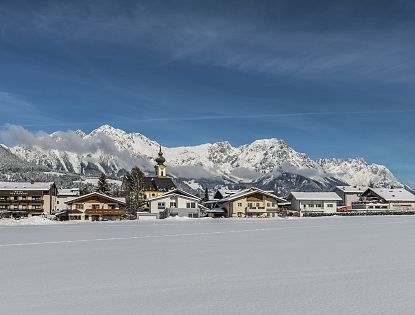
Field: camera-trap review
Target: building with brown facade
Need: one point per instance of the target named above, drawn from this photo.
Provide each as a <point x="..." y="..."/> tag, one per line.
<point x="27" y="199"/>
<point x="94" y="207"/>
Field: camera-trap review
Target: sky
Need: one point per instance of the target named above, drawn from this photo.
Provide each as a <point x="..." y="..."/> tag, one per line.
<point x="331" y="78"/>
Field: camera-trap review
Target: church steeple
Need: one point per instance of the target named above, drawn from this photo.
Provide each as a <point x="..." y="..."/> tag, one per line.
<point x="161" y="169"/>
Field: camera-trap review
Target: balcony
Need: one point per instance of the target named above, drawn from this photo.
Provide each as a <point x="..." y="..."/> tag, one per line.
<point x="256" y="209"/>
<point x="105" y="212"/>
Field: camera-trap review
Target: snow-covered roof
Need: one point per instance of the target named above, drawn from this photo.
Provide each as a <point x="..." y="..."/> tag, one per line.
<point x="69" y="192"/>
<point x="25" y="185"/>
<point x="319" y="196"/>
<point x="396" y="194"/>
<point x="80" y="198"/>
<point x="174" y="193"/>
<point x="216" y="210"/>
<point x="352" y="189"/>
<point x="247" y="192"/>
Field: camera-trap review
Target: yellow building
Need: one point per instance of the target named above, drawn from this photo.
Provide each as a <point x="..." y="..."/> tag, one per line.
<point x="160" y="184"/>
<point x="251" y="202"/>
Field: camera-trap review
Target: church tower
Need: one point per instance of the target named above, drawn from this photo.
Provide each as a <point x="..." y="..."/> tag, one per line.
<point x="161" y="169"/>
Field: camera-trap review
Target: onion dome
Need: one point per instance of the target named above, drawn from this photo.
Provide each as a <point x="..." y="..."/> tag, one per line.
<point x="160" y="159"/>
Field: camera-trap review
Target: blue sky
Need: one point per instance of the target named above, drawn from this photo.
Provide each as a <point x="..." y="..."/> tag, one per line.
<point x="331" y="78"/>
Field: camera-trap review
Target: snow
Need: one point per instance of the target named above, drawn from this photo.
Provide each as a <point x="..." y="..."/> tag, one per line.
<point x="332" y="196"/>
<point x="339" y="265"/>
<point x="28" y="221"/>
<point x="397" y="194"/>
<point x="193" y="185"/>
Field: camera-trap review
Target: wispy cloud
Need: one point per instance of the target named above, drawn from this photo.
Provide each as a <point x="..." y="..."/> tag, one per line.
<point x="300" y="46"/>
<point x="14" y="107"/>
<point x="347" y="114"/>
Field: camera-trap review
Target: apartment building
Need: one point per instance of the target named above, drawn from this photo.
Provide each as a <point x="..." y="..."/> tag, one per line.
<point x="27" y="199"/>
<point x="386" y="199"/>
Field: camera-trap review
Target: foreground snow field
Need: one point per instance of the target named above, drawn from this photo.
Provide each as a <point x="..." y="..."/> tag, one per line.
<point x="359" y="265"/>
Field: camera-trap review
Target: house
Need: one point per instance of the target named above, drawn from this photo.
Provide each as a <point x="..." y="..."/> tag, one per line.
<point x="250" y="202"/>
<point x="386" y="199"/>
<point x="27" y="199"/>
<point x="314" y="203"/>
<point x="160" y="184"/>
<point x="349" y="194"/>
<point x="223" y="193"/>
<point x="175" y="203"/>
<point x="63" y="196"/>
<point x="94" y="207"/>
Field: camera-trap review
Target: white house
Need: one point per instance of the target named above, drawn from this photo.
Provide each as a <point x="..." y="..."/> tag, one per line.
<point x="378" y="199"/>
<point x="63" y="196"/>
<point x="175" y="203"/>
<point x="349" y="194"/>
<point x="314" y="203"/>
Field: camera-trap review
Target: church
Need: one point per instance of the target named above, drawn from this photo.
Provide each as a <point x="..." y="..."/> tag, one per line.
<point x="160" y="184"/>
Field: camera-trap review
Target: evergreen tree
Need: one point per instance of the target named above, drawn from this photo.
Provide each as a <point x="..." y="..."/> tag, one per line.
<point x="206" y="197"/>
<point x="133" y="188"/>
<point x="103" y="186"/>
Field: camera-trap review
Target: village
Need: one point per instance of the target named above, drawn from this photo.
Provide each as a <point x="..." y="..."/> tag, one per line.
<point x="160" y="198"/>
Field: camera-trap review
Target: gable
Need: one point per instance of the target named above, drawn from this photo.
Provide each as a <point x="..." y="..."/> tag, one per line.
<point x="94" y="198"/>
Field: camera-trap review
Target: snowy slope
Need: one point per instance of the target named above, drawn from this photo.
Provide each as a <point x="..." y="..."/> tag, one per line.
<point x="265" y="162"/>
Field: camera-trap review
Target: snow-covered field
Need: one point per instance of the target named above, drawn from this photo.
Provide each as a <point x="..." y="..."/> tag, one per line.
<point x="362" y="265"/>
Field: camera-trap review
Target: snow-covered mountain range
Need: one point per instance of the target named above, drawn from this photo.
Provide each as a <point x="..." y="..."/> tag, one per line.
<point x="269" y="163"/>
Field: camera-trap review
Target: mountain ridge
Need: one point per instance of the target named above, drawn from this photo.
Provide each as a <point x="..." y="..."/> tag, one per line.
<point x="262" y="162"/>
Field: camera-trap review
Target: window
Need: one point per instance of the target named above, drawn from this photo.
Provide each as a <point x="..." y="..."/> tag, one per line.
<point x="250" y="205"/>
<point x="273" y="204"/>
<point x="318" y="205"/>
<point x="153" y="195"/>
<point x="24" y="197"/>
<point x="193" y="215"/>
<point x="329" y="205"/>
<point x="36" y="207"/>
<point x="173" y="205"/>
<point x="311" y="205"/>
<point x="239" y="204"/>
<point x="3" y="207"/>
<point x="161" y="205"/>
<point x="95" y="207"/>
<point x="57" y="202"/>
<point x="36" y="198"/>
<point x="15" y="198"/>
<point x="268" y="204"/>
<point x="191" y="205"/>
<point x="257" y="204"/>
<point x="3" y="198"/>
<point x="79" y="206"/>
<point x="16" y="207"/>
